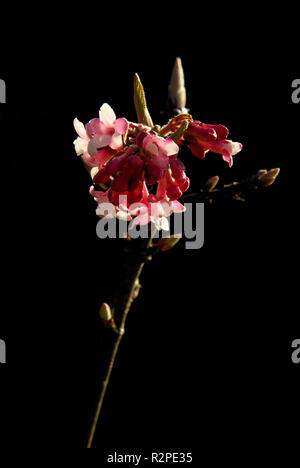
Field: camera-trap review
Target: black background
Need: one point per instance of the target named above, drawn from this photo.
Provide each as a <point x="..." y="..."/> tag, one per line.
<point x="206" y="360"/>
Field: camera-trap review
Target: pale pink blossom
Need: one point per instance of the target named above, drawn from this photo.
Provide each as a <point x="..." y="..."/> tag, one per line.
<point x="87" y="148"/>
<point x="107" y="130"/>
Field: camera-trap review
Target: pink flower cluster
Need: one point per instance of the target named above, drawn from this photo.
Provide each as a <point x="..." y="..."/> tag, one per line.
<point x="201" y="138"/>
<point x="129" y="165"/>
<point x="140" y="170"/>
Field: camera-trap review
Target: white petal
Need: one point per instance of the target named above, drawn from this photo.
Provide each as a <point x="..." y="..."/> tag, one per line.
<point x="170" y="148"/>
<point x="80" y="128"/>
<point x="80" y="146"/>
<point x="116" y="141"/>
<point x="94" y="171"/>
<point x="235" y="147"/>
<point x="124" y="216"/>
<point x="107" y="115"/>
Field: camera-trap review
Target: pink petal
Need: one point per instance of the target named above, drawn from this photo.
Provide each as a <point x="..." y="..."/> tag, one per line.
<point x="101" y="177"/>
<point x="160" y="191"/>
<point x="153" y="173"/>
<point x="178" y="207"/>
<point x="170" y="147"/>
<point x="221" y="131"/>
<point x="199" y="132"/>
<point x="197" y="150"/>
<point x="149" y="145"/>
<point x="98" y="195"/>
<point x="93" y="127"/>
<point x="236" y="147"/>
<point x="177" y="168"/>
<point x="121" y="126"/>
<point x="225" y="147"/>
<point x="140" y="220"/>
<point x="104" y="155"/>
<point x="138" y="208"/>
<point x="89" y="160"/>
<point x="116" y="164"/>
<point x="227" y="158"/>
<point x="145" y="193"/>
<point x="140" y="138"/>
<point x="136" y="194"/>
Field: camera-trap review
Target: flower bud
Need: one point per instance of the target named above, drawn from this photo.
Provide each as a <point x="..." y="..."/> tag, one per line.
<point x="105" y="312"/>
<point x="269" y="177"/>
<point x="140" y="102"/>
<point x="168" y="243"/>
<point x="177" y="92"/>
<point x="261" y="172"/>
<point x="211" y="183"/>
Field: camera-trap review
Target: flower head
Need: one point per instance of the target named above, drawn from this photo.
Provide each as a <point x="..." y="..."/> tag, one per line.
<point x="100" y="139"/>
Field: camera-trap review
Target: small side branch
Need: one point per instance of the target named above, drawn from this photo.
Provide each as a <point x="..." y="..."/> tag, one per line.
<point x="235" y="190"/>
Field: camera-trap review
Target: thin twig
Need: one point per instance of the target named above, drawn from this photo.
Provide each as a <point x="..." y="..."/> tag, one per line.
<point x="233" y="190"/>
<point x="135" y="257"/>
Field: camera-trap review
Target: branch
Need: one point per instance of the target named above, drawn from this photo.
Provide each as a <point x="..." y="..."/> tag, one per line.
<point x="235" y="190"/>
<point x="132" y="261"/>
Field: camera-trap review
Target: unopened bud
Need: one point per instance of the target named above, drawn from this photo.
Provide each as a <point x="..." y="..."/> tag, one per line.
<point x="140" y="102"/>
<point x="211" y="183"/>
<point x="177" y="92"/>
<point x="269" y="177"/>
<point x="261" y="172"/>
<point x="168" y="243"/>
<point x="105" y="312"/>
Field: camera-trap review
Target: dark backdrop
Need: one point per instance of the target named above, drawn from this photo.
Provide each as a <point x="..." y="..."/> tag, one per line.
<point x="206" y="360"/>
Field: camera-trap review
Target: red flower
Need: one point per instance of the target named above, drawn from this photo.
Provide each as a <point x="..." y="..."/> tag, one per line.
<point x="201" y="138"/>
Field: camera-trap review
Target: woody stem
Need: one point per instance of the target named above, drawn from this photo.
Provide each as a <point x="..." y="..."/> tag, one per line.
<point x="134" y="258"/>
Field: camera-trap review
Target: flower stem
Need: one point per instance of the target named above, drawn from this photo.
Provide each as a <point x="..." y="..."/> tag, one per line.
<point x="134" y="258"/>
<point x="104" y="384"/>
